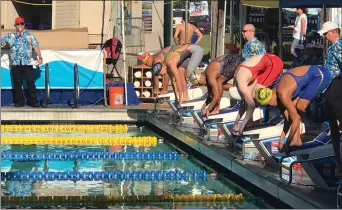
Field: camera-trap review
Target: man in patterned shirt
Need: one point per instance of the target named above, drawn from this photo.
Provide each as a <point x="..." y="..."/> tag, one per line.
<point x="21" y="43"/>
<point x="253" y="46"/>
<point x="333" y="61"/>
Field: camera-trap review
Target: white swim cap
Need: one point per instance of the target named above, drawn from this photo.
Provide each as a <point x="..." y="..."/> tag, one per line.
<point x="234" y="93"/>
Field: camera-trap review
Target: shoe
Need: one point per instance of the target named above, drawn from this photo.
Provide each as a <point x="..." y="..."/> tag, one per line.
<point x="19" y="105"/>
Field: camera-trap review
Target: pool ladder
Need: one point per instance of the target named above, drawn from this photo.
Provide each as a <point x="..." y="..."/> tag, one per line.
<point x="47" y="86"/>
<point x="76" y="86"/>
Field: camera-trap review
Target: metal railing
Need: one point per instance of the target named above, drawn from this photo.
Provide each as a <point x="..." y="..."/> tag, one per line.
<point x="76" y="86"/>
<point x="47" y="86"/>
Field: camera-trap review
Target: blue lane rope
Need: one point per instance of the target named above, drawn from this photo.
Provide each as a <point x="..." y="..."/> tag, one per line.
<point x="154" y="176"/>
<point x="62" y="156"/>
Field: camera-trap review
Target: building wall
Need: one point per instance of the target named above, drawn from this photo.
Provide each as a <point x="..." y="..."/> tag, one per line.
<point x="91" y="17"/>
<point x="153" y="40"/>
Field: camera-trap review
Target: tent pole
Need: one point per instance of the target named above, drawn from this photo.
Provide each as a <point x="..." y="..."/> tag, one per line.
<point x="224" y="24"/>
<point x="186" y="20"/>
<point x="280" y="41"/>
<point x="124" y="46"/>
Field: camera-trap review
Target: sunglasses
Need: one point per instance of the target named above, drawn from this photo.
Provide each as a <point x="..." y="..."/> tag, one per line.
<point x="22" y="23"/>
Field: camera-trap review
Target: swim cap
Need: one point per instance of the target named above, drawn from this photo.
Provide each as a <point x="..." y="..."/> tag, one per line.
<point x="194" y="78"/>
<point x="144" y="57"/>
<point x="234" y="93"/>
<point x="263" y="95"/>
<point x="156" y="68"/>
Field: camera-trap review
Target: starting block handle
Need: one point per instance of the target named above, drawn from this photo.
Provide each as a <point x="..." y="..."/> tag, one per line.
<point x="162" y="99"/>
<point x="185" y="108"/>
<point x="212" y="121"/>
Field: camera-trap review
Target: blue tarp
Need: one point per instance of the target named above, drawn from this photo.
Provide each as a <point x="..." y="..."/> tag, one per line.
<point x="310" y="3"/>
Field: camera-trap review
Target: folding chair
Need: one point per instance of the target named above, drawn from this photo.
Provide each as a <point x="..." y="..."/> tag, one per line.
<point x="113" y="49"/>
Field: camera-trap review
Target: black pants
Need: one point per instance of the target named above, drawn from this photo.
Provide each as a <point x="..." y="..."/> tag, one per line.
<point x="18" y="73"/>
<point x="333" y="109"/>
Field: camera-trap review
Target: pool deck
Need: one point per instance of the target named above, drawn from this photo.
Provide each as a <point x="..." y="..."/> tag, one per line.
<point x="263" y="176"/>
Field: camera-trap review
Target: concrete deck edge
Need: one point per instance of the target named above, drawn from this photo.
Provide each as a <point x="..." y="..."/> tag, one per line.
<point x="272" y="186"/>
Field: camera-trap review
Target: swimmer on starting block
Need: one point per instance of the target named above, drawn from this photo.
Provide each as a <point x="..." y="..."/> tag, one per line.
<point x="177" y="61"/>
<point x="292" y="93"/>
<point x="217" y="74"/>
<point x="256" y="72"/>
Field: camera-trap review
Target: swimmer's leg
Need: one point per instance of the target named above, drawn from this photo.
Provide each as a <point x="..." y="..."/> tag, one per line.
<point x="166" y="80"/>
<point x="184" y="84"/>
<point x="196" y="57"/>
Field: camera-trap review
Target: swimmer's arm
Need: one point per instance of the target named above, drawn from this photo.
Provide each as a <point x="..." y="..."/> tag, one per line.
<point x="199" y="34"/>
<point x="210" y="92"/>
<point x="227" y="86"/>
<point x="215" y="93"/>
<point x="177" y="76"/>
<point x="293" y="115"/>
<point x="156" y="85"/>
<point x="287" y="123"/>
<point x="241" y="112"/>
<point x="303" y="29"/>
<point x="175" y="36"/>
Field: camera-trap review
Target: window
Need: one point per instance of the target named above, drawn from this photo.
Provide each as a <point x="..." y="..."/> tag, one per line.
<point x="147" y="15"/>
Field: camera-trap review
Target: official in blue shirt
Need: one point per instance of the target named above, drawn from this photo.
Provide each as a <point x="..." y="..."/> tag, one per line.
<point x="253" y="46"/>
<point x="21" y="43"/>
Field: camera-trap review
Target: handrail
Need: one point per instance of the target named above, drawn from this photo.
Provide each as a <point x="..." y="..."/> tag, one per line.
<point x="47" y="85"/>
<point x="76" y="86"/>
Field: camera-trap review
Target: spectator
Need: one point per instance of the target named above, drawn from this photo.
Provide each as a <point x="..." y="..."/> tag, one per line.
<point x="332" y="100"/>
<point x="333" y="61"/>
<point x="299" y="29"/>
<point x="21" y="43"/>
<point x="180" y="33"/>
<point x="302" y="59"/>
<point x="253" y="46"/>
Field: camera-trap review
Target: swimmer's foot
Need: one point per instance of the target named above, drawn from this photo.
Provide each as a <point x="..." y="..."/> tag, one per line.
<point x="214" y="112"/>
<point x="162" y="92"/>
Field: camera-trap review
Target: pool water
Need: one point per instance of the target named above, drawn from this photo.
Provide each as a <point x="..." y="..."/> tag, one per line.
<point x="122" y="188"/>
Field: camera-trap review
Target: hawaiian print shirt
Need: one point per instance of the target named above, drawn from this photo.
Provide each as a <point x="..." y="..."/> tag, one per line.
<point x="253" y="48"/>
<point x="301" y="61"/>
<point x="333" y="61"/>
<point x="20" y="47"/>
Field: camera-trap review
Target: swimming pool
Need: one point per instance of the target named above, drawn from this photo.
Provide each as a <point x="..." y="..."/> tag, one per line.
<point x="123" y="193"/>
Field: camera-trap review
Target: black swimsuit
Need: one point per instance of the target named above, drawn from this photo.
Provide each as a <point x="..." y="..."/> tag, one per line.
<point x="229" y="63"/>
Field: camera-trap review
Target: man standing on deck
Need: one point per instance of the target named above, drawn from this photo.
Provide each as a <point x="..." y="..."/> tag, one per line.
<point x="253" y="46"/>
<point x="180" y="33"/>
<point x="21" y="43"/>
<point x="333" y="99"/>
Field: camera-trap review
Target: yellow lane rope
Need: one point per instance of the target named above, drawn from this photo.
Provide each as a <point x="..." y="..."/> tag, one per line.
<point x="66" y="128"/>
<point x="81" y="140"/>
<point x="146" y="198"/>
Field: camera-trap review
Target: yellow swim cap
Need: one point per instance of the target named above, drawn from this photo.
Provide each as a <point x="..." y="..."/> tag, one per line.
<point x="263" y="95"/>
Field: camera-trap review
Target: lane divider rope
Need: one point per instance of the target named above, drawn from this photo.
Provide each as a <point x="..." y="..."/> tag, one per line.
<point x="81" y="140"/>
<point x="154" y="176"/>
<point x="131" y="198"/>
<point x="62" y="156"/>
<point x="115" y="128"/>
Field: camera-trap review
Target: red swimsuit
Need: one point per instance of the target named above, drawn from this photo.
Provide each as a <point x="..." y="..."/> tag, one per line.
<point x="267" y="71"/>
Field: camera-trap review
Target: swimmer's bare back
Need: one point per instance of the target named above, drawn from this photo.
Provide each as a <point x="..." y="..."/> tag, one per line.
<point x="191" y="32"/>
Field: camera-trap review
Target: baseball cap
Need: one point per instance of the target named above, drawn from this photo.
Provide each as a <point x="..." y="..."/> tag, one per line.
<point x="327" y="26"/>
<point x="19" y="20"/>
<point x="144" y="57"/>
